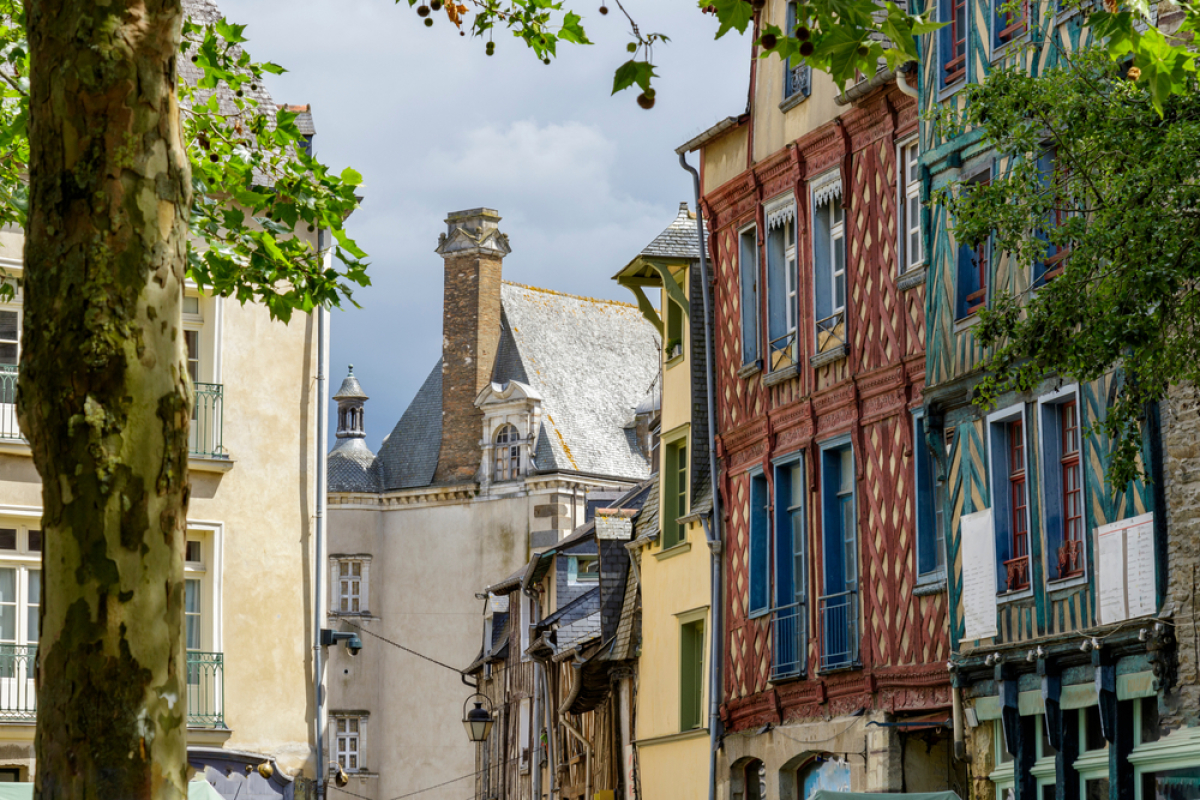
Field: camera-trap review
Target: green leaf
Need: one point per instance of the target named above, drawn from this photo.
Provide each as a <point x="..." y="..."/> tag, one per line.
<point x="351" y="177"/>
<point x="633" y="72"/>
<point x="731" y="15"/>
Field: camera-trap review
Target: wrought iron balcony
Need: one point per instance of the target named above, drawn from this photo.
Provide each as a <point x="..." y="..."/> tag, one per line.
<point x="788" y="641"/>
<point x="1016" y="571"/>
<point x="205" y="678"/>
<point x="205" y="438"/>
<point x="839" y="630"/>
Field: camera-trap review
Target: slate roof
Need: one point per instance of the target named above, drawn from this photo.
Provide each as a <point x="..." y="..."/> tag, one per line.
<point x="678" y="240"/>
<point x="577" y="633"/>
<point x="592" y="361"/>
<point x="408" y="456"/>
<point x="351" y="389"/>
<point x="701" y="483"/>
<point x="351" y="467"/>
<point x="586" y="604"/>
<point x="205" y="12"/>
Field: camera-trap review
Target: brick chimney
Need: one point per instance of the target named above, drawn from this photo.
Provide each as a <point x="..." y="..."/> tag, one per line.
<point x="473" y="249"/>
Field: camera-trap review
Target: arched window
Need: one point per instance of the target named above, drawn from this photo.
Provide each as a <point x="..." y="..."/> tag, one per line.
<point x="508" y="454"/>
<point x="823" y="772"/>
<point x="749" y="780"/>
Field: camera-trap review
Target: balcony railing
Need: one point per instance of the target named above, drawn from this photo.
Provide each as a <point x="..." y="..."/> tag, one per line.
<point x="205" y="678"/>
<point x="839" y="630"/>
<point x="205" y="437"/>
<point x="789" y="656"/>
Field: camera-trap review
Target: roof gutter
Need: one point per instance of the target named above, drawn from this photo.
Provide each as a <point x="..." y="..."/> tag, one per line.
<point x="696" y="142"/>
<point x="713" y="533"/>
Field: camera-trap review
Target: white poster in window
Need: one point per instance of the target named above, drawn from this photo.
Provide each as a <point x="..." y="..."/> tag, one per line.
<point x="979" y="576"/>
<point x="1125" y="554"/>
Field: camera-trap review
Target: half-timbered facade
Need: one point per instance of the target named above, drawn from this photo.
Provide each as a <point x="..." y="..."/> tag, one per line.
<point x="1055" y="576"/>
<point x="835" y="598"/>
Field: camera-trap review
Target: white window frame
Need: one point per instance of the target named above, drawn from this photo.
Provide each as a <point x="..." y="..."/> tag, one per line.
<point x="335" y="585"/>
<point x="526" y="623"/>
<point x="509" y="472"/>
<point x="208" y="572"/>
<point x="908" y="188"/>
<point x="837" y="238"/>
<point x="336" y="750"/>
<point x="23" y="561"/>
<point x="573" y="573"/>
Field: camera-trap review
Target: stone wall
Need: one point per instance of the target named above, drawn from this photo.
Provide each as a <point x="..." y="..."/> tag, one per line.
<point x="1181" y="445"/>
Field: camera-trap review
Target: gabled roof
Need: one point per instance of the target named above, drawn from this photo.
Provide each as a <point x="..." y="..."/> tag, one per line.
<point x="679" y="240"/>
<point x="590" y="361"/>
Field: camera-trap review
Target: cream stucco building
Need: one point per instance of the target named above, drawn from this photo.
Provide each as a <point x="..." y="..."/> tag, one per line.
<point x="530" y="408"/>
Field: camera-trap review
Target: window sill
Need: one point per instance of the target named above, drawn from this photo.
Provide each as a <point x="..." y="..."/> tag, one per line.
<point x="210" y="463"/>
<point x="912" y="277"/>
<point x="1063" y="584"/>
<point x="830" y="356"/>
<point x="947" y="92"/>
<point x="749" y="370"/>
<point x="673" y="361"/>
<point x="1013" y="597"/>
<point x="966" y="323"/>
<point x="791" y="102"/>
<point x="673" y="550"/>
<point x="1001" y="52"/>
<point x="781" y="375"/>
<point x="933" y="583"/>
<point x="693" y="733"/>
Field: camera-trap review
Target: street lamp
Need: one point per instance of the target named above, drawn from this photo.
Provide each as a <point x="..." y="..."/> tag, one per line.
<point x="478" y="721"/>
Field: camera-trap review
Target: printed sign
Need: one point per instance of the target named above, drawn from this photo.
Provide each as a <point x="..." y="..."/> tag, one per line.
<point x="979" y="576"/>
<point x="1125" y="555"/>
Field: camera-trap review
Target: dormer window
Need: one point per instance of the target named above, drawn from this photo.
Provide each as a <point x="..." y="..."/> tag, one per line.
<point x="508" y="454"/>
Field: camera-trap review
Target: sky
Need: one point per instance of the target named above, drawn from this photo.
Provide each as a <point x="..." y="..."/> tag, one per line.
<point x="582" y="180"/>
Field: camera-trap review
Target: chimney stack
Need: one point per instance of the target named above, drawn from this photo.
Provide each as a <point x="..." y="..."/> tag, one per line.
<point x="473" y="249"/>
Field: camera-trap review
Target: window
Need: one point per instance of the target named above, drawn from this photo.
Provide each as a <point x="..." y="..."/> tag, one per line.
<point x="828" y="772"/>
<point x="829" y="261"/>
<point x="508" y="454"/>
<point x="748" y="274"/>
<point x="749" y="780"/>
<point x="974" y="263"/>
<point x="673" y="345"/>
<point x="760" y="537"/>
<point x="797" y="76"/>
<point x="675" y="491"/>
<point x="1062" y="475"/>
<point x="782" y="277"/>
<point x="1008" y="24"/>
<point x="20" y="586"/>
<point x="1054" y="176"/>
<point x="583" y="569"/>
<point x="523" y="733"/>
<point x="912" y="244"/>
<point x="931" y="543"/>
<point x="349" y="584"/>
<point x="839" y="614"/>
<point x="789" y="617"/>
<point x="350" y="587"/>
<point x="10" y="336"/>
<point x="952" y="42"/>
<point x="691" y="675"/>
<point x="348" y="742"/>
<point x="1010" y="499"/>
<point x="10" y="347"/>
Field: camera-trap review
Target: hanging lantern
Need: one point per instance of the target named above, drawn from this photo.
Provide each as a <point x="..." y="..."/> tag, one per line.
<point x="478" y="721"/>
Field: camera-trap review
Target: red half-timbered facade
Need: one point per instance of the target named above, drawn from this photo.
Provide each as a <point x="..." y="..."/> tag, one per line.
<point x="835" y="628"/>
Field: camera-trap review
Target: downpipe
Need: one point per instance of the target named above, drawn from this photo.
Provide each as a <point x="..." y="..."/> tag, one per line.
<point x="319" y="536"/>
<point x="571" y="729"/>
<point x="712" y="533"/>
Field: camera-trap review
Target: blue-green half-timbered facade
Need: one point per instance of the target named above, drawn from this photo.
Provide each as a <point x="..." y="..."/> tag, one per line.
<point x="1056" y="579"/>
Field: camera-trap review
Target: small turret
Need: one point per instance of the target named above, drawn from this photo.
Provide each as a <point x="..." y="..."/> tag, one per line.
<point x="350" y="399"/>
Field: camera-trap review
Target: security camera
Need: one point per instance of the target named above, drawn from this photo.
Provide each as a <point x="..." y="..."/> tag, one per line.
<point x="353" y="642"/>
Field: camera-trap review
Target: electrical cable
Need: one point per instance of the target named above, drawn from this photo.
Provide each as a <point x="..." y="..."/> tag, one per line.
<point x="402" y="647"/>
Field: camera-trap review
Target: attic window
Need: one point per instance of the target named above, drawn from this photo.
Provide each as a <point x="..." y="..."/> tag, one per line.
<point x="508" y="454"/>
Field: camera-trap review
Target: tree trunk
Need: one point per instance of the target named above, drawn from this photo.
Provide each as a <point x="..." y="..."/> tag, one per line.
<point x="104" y="395"/>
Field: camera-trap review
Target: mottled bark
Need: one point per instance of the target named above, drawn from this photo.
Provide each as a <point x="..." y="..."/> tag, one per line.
<point x="103" y="395"/>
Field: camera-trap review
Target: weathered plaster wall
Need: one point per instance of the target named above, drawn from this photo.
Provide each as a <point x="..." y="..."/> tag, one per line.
<point x="725" y="158"/>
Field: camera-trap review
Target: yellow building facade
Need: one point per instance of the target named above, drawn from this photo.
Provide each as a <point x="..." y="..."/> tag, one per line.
<point x="674" y="560"/>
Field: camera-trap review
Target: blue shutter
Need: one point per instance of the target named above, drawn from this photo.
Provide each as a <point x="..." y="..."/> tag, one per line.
<point x="748" y="268"/>
<point x="831" y="479"/>
<point x="1001" y="501"/>
<point x="822" y="269"/>
<point x="1052" y="498"/>
<point x="968" y="278"/>
<point x="926" y="518"/>
<point x="759" y="546"/>
<point x="785" y="588"/>
<point x="1045" y="165"/>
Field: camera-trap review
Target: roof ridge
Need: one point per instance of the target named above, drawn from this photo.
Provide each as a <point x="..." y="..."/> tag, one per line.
<point x="621" y="303"/>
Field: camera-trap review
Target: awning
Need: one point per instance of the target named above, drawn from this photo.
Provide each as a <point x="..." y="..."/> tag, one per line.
<point x="825" y="794"/>
<point x="197" y="790"/>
